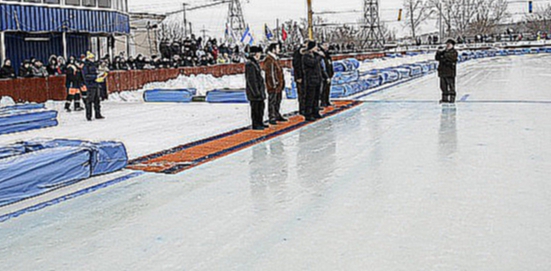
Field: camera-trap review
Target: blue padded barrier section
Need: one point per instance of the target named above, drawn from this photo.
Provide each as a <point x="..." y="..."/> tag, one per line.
<point x="35" y="173"/>
<point x="11" y="150"/>
<point x="168" y="96"/>
<point x="23" y="127"/>
<point x="19" y="118"/>
<point x="291" y="93"/>
<point x="20" y="107"/>
<point x="345" y="77"/>
<point x="227" y="96"/>
<point x="106" y="156"/>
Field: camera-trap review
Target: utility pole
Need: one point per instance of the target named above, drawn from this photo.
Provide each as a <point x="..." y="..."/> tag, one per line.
<point x="278" y="32"/>
<point x="235" y="18"/>
<point x="204" y="31"/>
<point x="371" y="32"/>
<point x="185" y="21"/>
<point x="310" y="20"/>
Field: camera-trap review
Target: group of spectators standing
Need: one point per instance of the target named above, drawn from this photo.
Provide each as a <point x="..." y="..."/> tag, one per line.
<point x="313" y="70"/>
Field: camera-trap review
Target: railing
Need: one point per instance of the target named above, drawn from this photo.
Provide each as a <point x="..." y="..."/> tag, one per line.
<point x="40" y="90"/>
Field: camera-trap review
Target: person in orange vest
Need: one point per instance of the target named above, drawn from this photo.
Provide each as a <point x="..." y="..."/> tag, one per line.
<point x="275" y="83"/>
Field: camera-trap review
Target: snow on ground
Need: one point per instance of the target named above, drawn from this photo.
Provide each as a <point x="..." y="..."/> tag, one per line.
<point x="400" y="183"/>
<point x="147" y="127"/>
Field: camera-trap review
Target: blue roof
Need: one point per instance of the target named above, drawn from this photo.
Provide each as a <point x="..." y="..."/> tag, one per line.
<point x="31" y="18"/>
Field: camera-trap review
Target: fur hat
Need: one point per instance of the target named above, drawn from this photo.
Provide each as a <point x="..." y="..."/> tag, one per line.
<point x="450" y="41"/>
<point x="255" y="49"/>
<point x="311" y="45"/>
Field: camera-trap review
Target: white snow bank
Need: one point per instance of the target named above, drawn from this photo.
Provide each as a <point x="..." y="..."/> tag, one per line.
<point x="382" y="63"/>
<point x="6" y="101"/>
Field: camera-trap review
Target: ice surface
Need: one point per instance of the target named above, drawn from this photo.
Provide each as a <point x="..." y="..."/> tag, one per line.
<point x="400" y="183"/>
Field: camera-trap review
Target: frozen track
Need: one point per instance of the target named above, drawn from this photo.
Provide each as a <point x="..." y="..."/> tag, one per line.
<point x="400" y="183"/>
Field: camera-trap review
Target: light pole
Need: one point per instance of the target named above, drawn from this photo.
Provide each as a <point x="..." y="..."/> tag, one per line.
<point x="310" y="20"/>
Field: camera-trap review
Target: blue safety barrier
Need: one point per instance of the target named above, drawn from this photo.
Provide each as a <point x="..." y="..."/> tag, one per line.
<point x="21" y="118"/>
<point x="168" y="96"/>
<point x="35" y="173"/>
<point x="345" y="77"/>
<point x="291" y="93"/>
<point x="227" y="96"/>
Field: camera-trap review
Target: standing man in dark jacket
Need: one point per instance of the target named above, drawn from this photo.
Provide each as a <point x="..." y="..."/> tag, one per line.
<point x="299" y="81"/>
<point x="275" y="83"/>
<point x="313" y="79"/>
<point x="447" y="70"/>
<point x="328" y="61"/>
<point x="90" y="73"/>
<point x="7" y="70"/>
<point x="256" y="89"/>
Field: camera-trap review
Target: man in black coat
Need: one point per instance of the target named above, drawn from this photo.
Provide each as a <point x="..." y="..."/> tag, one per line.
<point x="314" y="75"/>
<point x="90" y="73"/>
<point x="447" y="70"/>
<point x="256" y="89"/>
<point x="298" y="74"/>
<point x="328" y="68"/>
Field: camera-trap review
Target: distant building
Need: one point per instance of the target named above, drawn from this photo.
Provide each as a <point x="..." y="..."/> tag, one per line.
<point x="144" y="30"/>
<point x="41" y="28"/>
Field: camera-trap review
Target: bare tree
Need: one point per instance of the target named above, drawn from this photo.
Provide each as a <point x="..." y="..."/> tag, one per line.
<point x="540" y="20"/>
<point x="417" y="12"/>
<point x="489" y="14"/>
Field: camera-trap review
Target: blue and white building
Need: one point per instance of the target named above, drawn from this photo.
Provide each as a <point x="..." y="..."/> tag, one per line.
<point x="41" y="28"/>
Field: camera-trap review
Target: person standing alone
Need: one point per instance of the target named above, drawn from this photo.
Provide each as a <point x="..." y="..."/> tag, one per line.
<point x="447" y="71"/>
<point x="275" y="83"/>
<point x="255" y="88"/>
<point x="90" y="73"/>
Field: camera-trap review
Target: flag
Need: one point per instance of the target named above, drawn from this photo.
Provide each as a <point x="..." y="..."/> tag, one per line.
<point x="269" y="34"/>
<point x="229" y="35"/>
<point x="247" y="37"/>
<point x="283" y="33"/>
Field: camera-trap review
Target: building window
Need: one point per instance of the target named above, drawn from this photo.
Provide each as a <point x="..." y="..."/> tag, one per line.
<point x="72" y="2"/>
<point x="89" y="3"/>
<point x="52" y="2"/>
<point x="104" y="3"/>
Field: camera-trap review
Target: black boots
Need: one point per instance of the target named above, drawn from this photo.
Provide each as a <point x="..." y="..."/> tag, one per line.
<point x="68" y="106"/>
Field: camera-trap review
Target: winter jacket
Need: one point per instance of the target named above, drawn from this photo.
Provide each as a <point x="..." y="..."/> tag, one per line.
<point x="328" y="64"/>
<point x="90" y="73"/>
<point x="39" y="71"/>
<point x="297" y="64"/>
<point x="275" y="80"/>
<point x="7" y="72"/>
<point x="448" y="63"/>
<point x="72" y="79"/>
<point x="312" y="69"/>
<point x="255" y="88"/>
<point x="26" y="72"/>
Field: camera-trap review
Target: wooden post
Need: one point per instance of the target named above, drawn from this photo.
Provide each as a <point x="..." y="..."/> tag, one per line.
<point x="310" y="20"/>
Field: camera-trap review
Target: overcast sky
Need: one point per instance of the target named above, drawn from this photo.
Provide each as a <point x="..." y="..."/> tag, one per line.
<point x="259" y="12"/>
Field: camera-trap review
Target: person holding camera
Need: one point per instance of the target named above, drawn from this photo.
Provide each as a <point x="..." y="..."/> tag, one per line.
<point x="447" y="71"/>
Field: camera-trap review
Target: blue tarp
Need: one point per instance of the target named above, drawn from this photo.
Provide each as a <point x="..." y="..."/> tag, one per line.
<point x="345" y="77"/>
<point x="346" y="65"/>
<point x="20" y="107"/>
<point x="11" y="150"/>
<point x="291" y="93"/>
<point x="35" y="173"/>
<point x="106" y="156"/>
<point x="227" y="96"/>
<point x="22" y="127"/>
<point x="168" y="96"/>
<point x="25" y="117"/>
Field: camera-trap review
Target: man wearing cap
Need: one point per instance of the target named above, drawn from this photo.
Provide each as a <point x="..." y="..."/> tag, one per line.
<point x="255" y="88"/>
<point x="90" y="73"/>
<point x="313" y="77"/>
<point x="447" y="71"/>
<point x="275" y="83"/>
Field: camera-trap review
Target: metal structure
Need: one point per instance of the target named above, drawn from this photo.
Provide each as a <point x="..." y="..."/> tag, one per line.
<point x="372" y="36"/>
<point x="235" y="20"/>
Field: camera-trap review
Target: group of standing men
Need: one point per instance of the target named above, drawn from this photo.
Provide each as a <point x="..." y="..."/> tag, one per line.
<point x="313" y="70"/>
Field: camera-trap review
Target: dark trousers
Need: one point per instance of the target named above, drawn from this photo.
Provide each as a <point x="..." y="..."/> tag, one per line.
<point x="70" y="98"/>
<point x="257" y="113"/>
<point x="103" y="93"/>
<point x="312" y="101"/>
<point x="447" y="85"/>
<point x="93" y="100"/>
<point x="274" y="105"/>
<point x="301" y="96"/>
<point x="326" y="94"/>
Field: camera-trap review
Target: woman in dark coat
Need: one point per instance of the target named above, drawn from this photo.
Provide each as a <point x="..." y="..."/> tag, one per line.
<point x="7" y="70"/>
